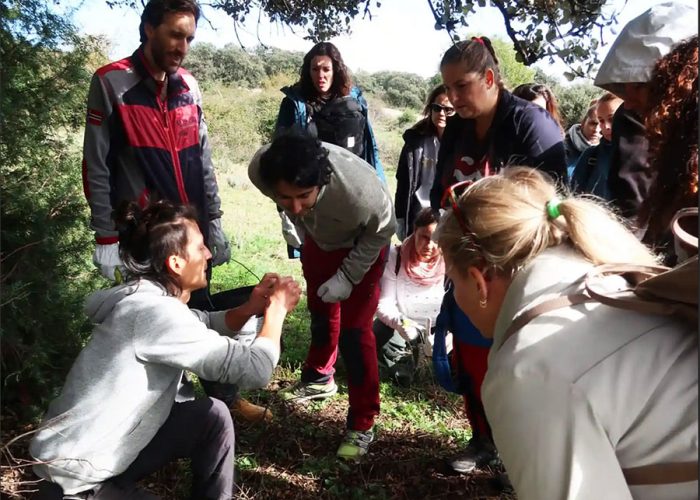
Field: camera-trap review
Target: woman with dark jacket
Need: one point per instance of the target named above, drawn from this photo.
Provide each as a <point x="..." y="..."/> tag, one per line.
<point x="416" y="170"/>
<point x="325" y="80"/>
<point x="493" y="128"/>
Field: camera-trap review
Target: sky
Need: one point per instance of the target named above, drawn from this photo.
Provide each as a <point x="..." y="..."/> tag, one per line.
<point x="399" y="37"/>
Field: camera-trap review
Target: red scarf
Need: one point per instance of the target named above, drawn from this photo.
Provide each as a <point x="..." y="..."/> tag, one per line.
<point x="421" y="272"/>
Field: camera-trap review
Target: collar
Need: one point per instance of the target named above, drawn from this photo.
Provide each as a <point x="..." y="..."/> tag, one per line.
<point x="176" y="83"/>
<point x="549" y="274"/>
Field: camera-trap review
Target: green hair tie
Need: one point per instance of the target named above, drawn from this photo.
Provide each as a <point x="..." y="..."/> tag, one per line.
<point x="553" y="208"/>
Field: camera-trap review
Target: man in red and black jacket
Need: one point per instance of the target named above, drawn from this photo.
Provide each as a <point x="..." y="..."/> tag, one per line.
<point x="146" y="139"/>
<point x="145" y="136"/>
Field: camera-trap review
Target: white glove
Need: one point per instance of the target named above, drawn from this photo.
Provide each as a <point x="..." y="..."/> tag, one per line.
<point x="293" y="235"/>
<point x="409" y="330"/>
<point x="218" y="244"/>
<point x="336" y="289"/>
<point x="401" y="229"/>
<point x="106" y="259"/>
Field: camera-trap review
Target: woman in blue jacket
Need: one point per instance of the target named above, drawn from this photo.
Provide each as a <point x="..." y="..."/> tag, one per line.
<point x="325" y="93"/>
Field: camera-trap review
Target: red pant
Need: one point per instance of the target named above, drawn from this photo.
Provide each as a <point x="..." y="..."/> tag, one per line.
<point x="344" y="326"/>
<point x="471" y="362"/>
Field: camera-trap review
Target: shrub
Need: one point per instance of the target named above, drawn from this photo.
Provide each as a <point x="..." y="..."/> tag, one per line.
<point x="46" y="244"/>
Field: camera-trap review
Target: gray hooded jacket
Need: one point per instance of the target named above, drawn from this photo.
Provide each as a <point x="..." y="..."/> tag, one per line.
<point x="122" y="386"/>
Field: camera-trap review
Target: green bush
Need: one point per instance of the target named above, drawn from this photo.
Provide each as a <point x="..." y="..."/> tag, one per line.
<point x="46" y="244"/>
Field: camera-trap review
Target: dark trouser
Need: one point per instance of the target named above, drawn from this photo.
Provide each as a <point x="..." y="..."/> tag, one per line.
<point x="396" y="357"/>
<point x="344" y="326"/>
<point x="204" y="301"/>
<point x="471" y="362"/>
<point x="201" y="430"/>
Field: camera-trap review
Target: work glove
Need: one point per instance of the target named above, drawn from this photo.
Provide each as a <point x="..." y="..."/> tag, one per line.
<point x="218" y="244"/>
<point x="106" y="259"/>
<point x="409" y="330"/>
<point x="291" y="232"/>
<point x="336" y="289"/>
<point x="401" y="229"/>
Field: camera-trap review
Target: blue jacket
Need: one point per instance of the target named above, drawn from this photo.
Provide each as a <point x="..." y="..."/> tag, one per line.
<point x="293" y="112"/>
<point x="590" y="174"/>
<point x="522" y="133"/>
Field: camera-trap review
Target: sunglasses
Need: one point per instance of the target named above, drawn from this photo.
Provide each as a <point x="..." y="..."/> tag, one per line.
<point x="452" y="194"/>
<point x="436" y="108"/>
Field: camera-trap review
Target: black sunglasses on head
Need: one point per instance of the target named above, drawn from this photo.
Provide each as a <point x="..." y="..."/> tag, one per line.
<point x="435" y="107"/>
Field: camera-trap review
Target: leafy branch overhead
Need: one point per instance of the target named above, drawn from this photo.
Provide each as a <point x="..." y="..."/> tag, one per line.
<point x="569" y="30"/>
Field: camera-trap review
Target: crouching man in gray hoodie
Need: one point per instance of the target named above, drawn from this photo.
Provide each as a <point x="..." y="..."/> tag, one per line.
<point x="117" y="419"/>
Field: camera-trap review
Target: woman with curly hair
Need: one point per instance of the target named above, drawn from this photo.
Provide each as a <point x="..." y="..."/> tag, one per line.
<point x="672" y="131"/>
<point x="326" y="103"/>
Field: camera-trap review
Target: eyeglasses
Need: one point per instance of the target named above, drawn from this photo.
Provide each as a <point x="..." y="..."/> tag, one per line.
<point x="436" y="108"/>
<point x="452" y="194"/>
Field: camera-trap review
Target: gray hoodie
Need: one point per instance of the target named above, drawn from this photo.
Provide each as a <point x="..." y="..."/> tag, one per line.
<point x="122" y="386"/>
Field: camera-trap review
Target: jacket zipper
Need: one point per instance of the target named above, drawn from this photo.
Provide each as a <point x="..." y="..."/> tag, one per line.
<point x="177" y="169"/>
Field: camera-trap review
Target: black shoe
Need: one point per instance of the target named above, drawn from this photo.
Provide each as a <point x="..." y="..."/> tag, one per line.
<point x="479" y="453"/>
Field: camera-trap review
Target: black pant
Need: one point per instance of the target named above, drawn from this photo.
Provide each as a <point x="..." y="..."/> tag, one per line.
<point x="201" y="430"/>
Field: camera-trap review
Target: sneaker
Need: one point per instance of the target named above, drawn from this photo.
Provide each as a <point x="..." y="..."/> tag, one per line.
<point x="355" y="444"/>
<point x="479" y="453"/>
<point x="303" y="391"/>
<point x="245" y="410"/>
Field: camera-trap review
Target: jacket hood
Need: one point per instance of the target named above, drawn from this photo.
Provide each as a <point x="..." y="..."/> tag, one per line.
<point x="643" y="41"/>
<point x="100" y="304"/>
<point x="577" y="138"/>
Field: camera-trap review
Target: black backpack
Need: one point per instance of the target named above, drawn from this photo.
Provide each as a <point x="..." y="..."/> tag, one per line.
<point x="341" y="122"/>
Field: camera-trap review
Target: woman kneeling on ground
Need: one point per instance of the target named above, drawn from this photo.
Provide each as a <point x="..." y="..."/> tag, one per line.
<point x="584" y="401"/>
<point x="412" y="287"/>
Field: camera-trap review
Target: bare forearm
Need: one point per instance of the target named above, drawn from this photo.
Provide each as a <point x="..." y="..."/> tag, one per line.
<point x="238" y="316"/>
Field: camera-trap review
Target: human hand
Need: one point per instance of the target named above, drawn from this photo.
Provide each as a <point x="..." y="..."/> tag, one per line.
<point x="285" y="293"/>
<point x="335" y="289"/>
<point x="260" y="296"/>
<point x="218" y="243"/>
<point x="106" y="259"/>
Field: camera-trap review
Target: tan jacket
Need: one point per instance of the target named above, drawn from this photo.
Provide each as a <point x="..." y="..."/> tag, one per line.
<point x="581" y="393"/>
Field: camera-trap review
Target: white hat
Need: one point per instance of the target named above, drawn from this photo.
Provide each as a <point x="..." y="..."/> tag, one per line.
<point x="643" y="41"/>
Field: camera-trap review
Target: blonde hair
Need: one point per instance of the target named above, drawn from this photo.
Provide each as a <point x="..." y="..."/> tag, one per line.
<point x="508" y="225"/>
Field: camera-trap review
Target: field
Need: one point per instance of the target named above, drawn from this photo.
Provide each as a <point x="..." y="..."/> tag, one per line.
<point x="294" y="456"/>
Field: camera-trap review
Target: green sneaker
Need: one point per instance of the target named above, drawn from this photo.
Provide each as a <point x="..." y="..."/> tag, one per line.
<point x="355" y="445"/>
<point x="303" y="391"/>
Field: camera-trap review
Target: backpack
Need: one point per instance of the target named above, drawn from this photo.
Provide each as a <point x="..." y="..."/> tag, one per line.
<point x="341" y="122"/>
<point x="651" y="289"/>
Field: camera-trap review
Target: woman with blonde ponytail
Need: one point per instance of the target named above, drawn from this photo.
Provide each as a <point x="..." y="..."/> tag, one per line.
<point x="584" y="401"/>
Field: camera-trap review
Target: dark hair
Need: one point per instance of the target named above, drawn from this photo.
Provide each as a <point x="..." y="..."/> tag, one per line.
<point x="477" y="54"/>
<point x="147" y="237"/>
<point x="672" y="130"/>
<point x="155" y="11"/>
<point x="297" y="158"/>
<point x="341" y="84"/>
<point x="425" y="125"/>
<point x="531" y="91"/>
<point x="425" y="217"/>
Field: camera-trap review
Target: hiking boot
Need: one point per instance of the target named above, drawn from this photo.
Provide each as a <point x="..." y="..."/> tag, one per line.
<point x="245" y="410"/>
<point x="355" y="445"/>
<point x="479" y="453"/>
<point x="305" y="391"/>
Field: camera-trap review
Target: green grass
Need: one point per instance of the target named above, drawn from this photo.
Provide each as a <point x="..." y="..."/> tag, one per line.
<point x="294" y="456"/>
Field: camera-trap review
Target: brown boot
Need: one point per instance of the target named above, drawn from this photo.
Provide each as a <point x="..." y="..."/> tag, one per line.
<point x="245" y="410"/>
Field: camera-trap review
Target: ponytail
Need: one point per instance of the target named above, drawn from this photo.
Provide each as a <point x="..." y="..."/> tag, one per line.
<point x="514" y="216"/>
<point x="147" y="237"/>
<point x="476" y="54"/>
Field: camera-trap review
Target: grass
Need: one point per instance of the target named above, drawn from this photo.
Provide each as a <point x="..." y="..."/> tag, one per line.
<point x="294" y="456"/>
